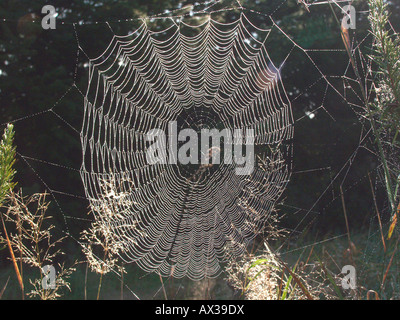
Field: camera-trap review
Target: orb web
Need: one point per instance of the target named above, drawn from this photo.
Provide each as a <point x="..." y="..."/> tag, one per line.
<point x="172" y="219"/>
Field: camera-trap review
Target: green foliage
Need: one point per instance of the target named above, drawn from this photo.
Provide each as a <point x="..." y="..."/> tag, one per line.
<point x="7" y="159"/>
<point x="387" y="57"/>
<point x="266" y="265"/>
<point x="385" y="109"/>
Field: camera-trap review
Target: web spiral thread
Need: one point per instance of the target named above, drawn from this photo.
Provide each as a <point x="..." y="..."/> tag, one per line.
<point x="211" y="74"/>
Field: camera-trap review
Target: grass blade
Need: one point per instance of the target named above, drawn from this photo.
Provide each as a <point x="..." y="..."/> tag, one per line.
<point x="21" y="284"/>
<point x="4" y="288"/>
<point x="331" y="280"/>
<point x="393" y="224"/>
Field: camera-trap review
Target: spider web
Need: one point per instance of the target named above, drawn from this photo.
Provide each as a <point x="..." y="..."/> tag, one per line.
<point x="212" y="56"/>
<point x="169" y="219"/>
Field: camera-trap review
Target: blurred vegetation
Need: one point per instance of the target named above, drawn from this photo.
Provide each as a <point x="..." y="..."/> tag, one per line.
<point x="7" y="160"/>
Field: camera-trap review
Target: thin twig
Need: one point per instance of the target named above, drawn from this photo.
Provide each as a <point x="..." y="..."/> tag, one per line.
<point x="389" y="265"/>
<point x="21" y="283"/>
